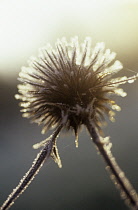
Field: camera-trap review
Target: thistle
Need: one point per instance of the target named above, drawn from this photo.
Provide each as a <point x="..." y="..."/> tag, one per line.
<point x="70" y="87"/>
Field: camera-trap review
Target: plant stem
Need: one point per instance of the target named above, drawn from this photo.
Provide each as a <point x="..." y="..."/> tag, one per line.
<point x="41" y="157"/>
<point x="127" y="192"/>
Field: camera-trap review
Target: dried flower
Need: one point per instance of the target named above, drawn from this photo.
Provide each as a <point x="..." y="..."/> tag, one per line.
<point x="66" y="88"/>
<point x="71" y="84"/>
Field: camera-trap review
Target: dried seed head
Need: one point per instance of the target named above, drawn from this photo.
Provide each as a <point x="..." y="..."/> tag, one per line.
<point x="71" y="84"/>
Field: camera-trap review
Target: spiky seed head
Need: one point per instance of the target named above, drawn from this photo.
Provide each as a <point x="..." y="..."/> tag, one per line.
<point x="71" y="84"/>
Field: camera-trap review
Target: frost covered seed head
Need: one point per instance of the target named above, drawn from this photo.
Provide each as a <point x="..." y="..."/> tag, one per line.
<point x="70" y="84"/>
<point x="67" y="87"/>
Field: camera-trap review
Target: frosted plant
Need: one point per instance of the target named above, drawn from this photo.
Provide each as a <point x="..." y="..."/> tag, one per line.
<point x="65" y="88"/>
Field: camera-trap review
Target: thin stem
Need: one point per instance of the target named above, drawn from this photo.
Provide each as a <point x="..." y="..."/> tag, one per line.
<point x="127" y="192"/>
<point x="41" y="157"/>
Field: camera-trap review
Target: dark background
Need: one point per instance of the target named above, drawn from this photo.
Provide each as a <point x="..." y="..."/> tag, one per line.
<point x="82" y="183"/>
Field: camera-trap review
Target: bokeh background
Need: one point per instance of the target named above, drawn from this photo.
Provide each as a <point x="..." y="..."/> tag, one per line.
<point x="82" y="183"/>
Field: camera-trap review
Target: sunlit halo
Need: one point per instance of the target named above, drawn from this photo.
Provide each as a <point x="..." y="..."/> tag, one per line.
<point x="26" y="24"/>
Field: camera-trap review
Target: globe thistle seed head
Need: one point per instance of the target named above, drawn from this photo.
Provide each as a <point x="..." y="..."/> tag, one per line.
<point x="71" y="84"/>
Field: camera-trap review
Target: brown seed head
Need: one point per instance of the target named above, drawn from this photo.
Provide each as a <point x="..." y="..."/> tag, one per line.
<point x="71" y="84"/>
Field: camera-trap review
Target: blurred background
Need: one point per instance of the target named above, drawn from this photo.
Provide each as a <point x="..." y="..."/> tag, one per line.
<point x="82" y="183"/>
